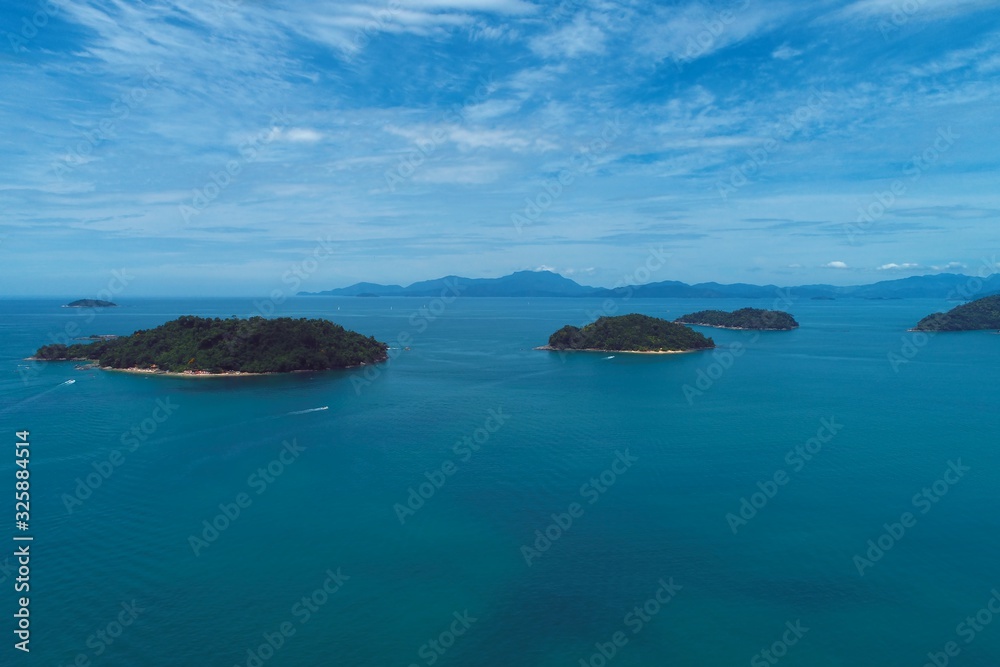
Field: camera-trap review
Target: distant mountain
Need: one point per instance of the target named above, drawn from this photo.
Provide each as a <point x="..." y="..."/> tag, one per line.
<point x="548" y="284"/>
<point x="522" y="283"/>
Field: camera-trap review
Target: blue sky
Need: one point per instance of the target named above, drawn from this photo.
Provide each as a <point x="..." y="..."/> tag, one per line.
<point x="212" y="147"/>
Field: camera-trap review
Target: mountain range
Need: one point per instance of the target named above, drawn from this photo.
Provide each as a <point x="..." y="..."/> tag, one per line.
<point x="548" y="284"/>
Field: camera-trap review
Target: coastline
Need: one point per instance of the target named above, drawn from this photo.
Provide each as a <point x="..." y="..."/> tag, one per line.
<point x="549" y="348"/>
<point x="193" y="374"/>
<point x="182" y="374"/>
<point x="719" y="326"/>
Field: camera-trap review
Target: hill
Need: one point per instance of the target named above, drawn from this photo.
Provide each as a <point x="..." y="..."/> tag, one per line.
<point x="549" y="284"/>
<point x="206" y="345"/>
<point x="744" y="318"/>
<point x="629" y="333"/>
<point x="976" y="315"/>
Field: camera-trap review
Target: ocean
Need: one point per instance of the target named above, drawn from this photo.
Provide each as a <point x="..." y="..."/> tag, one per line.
<point x="819" y="497"/>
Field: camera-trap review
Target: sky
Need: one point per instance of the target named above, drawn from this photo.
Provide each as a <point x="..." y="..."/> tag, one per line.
<point x="237" y="147"/>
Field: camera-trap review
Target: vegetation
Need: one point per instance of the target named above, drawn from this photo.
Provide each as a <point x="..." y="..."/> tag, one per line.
<point x="979" y="314"/>
<point x="91" y="303"/>
<point x="744" y="318"/>
<point x="255" y="345"/>
<point x="629" y="333"/>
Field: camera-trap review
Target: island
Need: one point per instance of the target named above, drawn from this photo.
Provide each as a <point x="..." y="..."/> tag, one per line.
<point x="90" y="303"/>
<point x="628" y="333"/>
<point x="754" y="319"/>
<point x="193" y="345"/>
<point x="973" y="316"/>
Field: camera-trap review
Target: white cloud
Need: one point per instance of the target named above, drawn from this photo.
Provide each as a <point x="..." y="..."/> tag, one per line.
<point x="579" y="38"/>
<point x="907" y="11"/>
<point x="950" y="266"/>
<point x="892" y="266"/>
<point x="696" y="30"/>
<point x="785" y="52"/>
<point x="835" y="265"/>
<point x="301" y="135"/>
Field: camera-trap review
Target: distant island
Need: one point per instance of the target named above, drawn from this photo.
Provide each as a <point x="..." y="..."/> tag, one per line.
<point x="549" y="284"/>
<point x="211" y="346"/>
<point x="629" y="333"/>
<point x="973" y="316"/>
<point x="744" y="318"/>
<point x="91" y="303"/>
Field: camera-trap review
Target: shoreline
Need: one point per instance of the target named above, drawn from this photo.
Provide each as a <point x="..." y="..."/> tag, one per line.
<point x="92" y="365"/>
<point x="719" y="326"/>
<point x="548" y="348"/>
<point x="181" y="374"/>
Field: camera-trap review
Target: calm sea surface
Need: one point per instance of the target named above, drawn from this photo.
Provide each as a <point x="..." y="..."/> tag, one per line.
<point x="742" y="488"/>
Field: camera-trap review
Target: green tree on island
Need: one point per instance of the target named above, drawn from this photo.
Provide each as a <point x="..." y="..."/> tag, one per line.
<point x="629" y="333"/>
<point x="213" y="345"/>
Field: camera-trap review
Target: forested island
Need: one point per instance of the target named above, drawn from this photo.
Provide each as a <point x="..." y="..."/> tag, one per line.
<point x="744" y="318"/>
<point x="629" y="333"/>
<point x="90" y="303"/>
<point x="973" y="316"/>
<point x="211" y="346"/>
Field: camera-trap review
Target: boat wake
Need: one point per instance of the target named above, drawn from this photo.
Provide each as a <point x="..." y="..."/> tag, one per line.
<point x="611" y="357"/>
<point x="302" y="412"/>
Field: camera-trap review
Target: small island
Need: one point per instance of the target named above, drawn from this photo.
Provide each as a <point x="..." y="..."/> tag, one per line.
<point x="90" y="303"/>
<point x="201" y="346"/>
<point x="973" y="316"/>
<point x="629" y="333"/>
<point x="754" y="319"/>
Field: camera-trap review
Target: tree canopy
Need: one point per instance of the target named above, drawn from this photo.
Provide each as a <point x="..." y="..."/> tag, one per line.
<point x="979" y="314"/>
<point x="214" y="345"/>
<point x="629" y="333"/>
<point x="744" y="318"/>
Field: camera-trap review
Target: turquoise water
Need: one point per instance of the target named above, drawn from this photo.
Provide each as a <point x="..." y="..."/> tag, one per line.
<point x="335" y="505"/>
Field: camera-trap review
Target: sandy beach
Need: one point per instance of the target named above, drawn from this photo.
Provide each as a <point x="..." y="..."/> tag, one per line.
<point x="548" y="348"/>
<point x="182" y="374"/>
